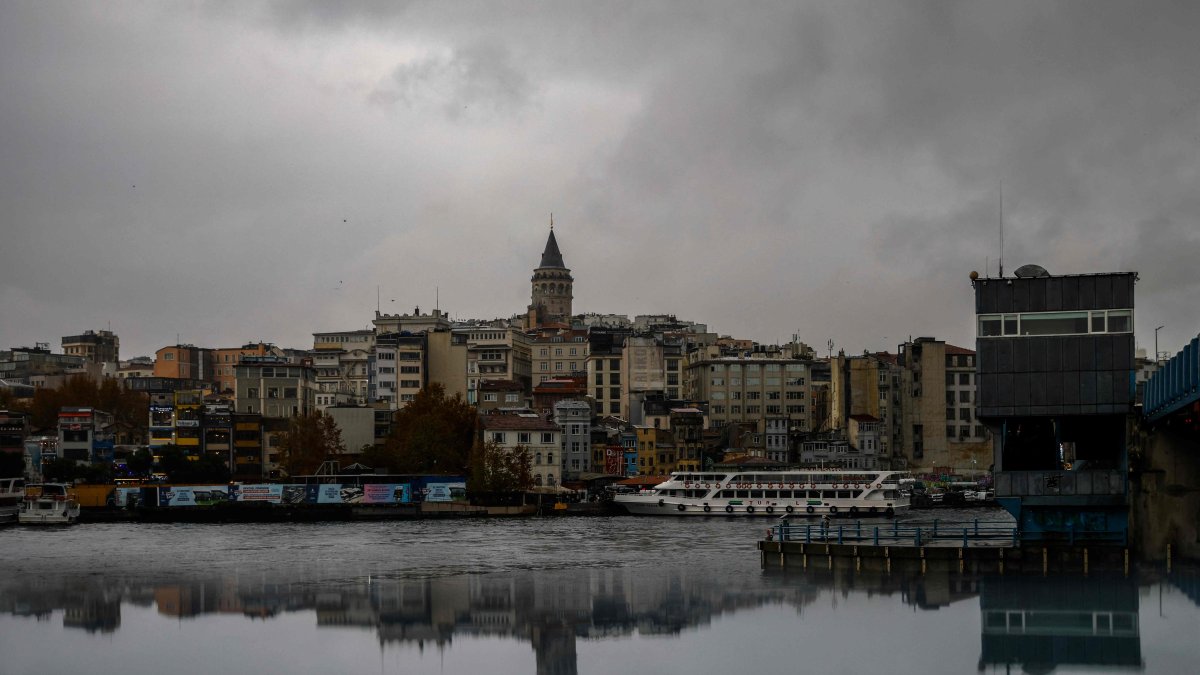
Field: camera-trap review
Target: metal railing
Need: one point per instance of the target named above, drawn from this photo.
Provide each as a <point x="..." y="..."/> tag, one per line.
<point x="971" y="533"/>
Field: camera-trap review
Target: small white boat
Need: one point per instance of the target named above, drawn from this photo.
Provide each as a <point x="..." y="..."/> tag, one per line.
<point x="763" y="493"/>
<point x="12" y="490"/>
<point x="48" y="504"/>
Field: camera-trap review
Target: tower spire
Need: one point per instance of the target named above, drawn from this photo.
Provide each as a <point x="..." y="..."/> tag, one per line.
<point x="551" y="221"/>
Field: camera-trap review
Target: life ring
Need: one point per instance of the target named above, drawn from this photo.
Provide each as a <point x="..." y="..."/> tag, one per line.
<point x="707" y="508"/>
<point x="728" y="509"/>
<point x="810" y="510"/>
<point x="758" y="486"/>
<point x="890" y="512"/>
<point x="788" y="509"/>
<point x="833" y="508"/>
<point x="681" y="507"/>
<point x="853" y="510"/>
<point x="749" y="509"/>
<point x="770" y="509"/>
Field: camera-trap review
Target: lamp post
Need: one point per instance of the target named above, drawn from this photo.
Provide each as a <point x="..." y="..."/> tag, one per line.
<point x="1156" y="343"/>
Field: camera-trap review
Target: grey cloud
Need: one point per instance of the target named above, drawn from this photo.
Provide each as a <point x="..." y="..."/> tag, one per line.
<point x="474" y="81"/>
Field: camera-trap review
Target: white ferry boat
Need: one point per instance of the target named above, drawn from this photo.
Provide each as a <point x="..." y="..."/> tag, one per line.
<point x="48" y="504"/>
<point x="772" y="493"/>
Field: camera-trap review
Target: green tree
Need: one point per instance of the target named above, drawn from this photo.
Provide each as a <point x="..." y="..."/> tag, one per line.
<point x="309" y="441"/>
<point x="432" y="434"/>
<point x="496" y="471"/>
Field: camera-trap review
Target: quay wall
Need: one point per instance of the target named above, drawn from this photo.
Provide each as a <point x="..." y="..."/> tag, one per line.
<point x="1165" y="497"/>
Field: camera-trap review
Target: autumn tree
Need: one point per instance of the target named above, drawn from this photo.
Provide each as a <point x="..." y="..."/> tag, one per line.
<point x="432" y="434"/>
<point x="309" y="441"/>
<point x="130" y="409"/>
<point x="495" y="470"/>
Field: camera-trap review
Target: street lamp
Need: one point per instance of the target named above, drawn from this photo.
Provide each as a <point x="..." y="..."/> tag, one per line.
<point x="1156" y="343"/>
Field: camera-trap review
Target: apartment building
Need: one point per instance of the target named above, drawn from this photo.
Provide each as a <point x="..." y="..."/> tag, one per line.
<point x="750" y="388"/>
<point x="341" y="360"/>
<point x="937" y="426"/>
<point x="573" y="418"/>
<point x="541" y="438"/>
<point x="272" y="387"/>
<point x="606" y="355"/>
<point x="495" y="353"/>
<point x="95" y="346"/>
<point x="559" y="353"/>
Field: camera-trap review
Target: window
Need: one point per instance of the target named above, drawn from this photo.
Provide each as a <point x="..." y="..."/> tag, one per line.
<point x="614" y="392"/>
<point x="489" y="396"/>
<point x="964" y="378"/>
<point x="549" y="457"/>
<point x="498" y="437"/>
<point x="964" y="414"/>
<point x="752" y="396"/>
<point x="272" y="392"/>
<point x="252" y="392"/>
<point x="614" y="378"/>
<point x="950" y="378"/>
<point x="964" y="397"/>
<point x="547" y="437"/>
<point x="523" y="437"/>
<point x="510" y="398"/>
<point x="949" y="413"/>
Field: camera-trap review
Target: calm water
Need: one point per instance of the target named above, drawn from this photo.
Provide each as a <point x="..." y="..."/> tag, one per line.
<point x="577" y="595"/>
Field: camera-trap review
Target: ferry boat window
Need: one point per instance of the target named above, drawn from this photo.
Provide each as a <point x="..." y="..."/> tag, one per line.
<point x="814" y="494"/>
<point x="756" y="494"/>
<point x="829" y="494"/>
<point x="743" y="494"/>
<point x="772" y="494"/>
<point x="844" y="494"/>
<point x="726" y="494"/>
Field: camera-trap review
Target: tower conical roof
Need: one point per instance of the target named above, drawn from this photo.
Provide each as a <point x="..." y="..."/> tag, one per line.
<point x="551" y="256"/>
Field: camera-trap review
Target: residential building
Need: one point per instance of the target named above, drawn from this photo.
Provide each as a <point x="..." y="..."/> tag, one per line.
<point x="559" y="353"/>
<point x="574" y="418"/>
<point x="552" y="286"/>
<point x="531" y="432"/>
<point x="94" y="346"/>
<point x="495" y="353"/>
<point x="748" y="390"/>
<point x="185" y="362"/>
<point x="606" y="356"/>
<point x="865" y="435"/>
<point x="656" y="451"/>
<point x="643" y="370"/>
<point x="25" y="365"/>
<point x="85" y="435"/>
<point x="341" y="360"/>
<point x="687" y="430"/>
<point x="224" y="360"/>
<point x="248" y="446"/>
<point x="189" y="414"/>
<point x="274" y="388"/>
<point x="14" y="429"/>
<point x="396" y="368"/>
<point x="495" y="395"/>
<point x="937" y="429"/>
<point x="411" y="323"/>
<point x="547" y="394"/>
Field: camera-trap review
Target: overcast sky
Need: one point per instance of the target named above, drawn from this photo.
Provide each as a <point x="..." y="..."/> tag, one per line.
<point x="236" y="171"/>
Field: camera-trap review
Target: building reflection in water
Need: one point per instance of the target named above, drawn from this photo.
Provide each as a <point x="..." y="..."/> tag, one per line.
<point x="1035" y="623"/>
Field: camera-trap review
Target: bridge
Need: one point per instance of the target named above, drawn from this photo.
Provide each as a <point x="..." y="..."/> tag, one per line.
<point x="1165" y="470"/>
<point x="1175" y="386"/>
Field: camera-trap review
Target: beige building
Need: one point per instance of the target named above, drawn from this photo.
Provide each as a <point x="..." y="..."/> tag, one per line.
<point x="95" y="346"/>
<point x="225" y="359"/>
<point x="541" y="438"/>
<point x="865" y="385"/>
<point x="605" y="365"/>
<point x="494" y="353"/>
<point x="411" y="323"/>
<point x="559" y="353"/>
<point x="937" y="426"/>
<point x="749" y="390"/>
<point x="341" y="359"/>
<point x="272" y="387"/>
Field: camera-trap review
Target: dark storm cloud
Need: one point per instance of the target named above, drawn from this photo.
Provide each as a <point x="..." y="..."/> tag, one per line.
<point x="831" y="169"/>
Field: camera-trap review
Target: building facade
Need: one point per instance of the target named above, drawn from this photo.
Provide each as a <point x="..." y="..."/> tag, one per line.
<point x="94" y="346"/>
<point x="574" y="418"/>
<point x="552" y="292"/>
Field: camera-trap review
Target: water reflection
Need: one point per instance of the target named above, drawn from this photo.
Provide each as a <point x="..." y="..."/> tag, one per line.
<point x="1033" y="623"/>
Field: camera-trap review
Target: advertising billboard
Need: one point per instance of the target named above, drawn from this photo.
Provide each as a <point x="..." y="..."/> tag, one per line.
<point x="614" y="459"/>
<point x="272" y="494"/>
<point x="445" y="492"/>
<point x="386" y="493"/>
<point x="192" y="495"/>
<point x="323" y="494"/>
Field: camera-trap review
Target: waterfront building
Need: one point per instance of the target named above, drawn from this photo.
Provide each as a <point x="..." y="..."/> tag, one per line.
<point x="248" y="456"/>
<point x="189" y="413"/>
<point x="396" y="371"/>
<point x="547" y="394"/>
<point x="216" y="432"/>
<point x="573" y="417"/>
<point x="552" y="289"/>
<point x="85" y="435"/>
<point x="14" y="430"/>
<point x="543" y="440"/>
<point x="411" y="323"/>
<point x="656" y="452"/>
<point x="94" y="346"/>
<point x="141" y="366"/>
<point x="687" y="429"/>
<point x="1056" y="386"/>
<point x="866" y="385"/>
<point x="937" y="429"/>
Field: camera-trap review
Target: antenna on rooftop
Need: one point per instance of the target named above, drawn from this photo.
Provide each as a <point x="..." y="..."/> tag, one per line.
<point x="1001" y="228"/>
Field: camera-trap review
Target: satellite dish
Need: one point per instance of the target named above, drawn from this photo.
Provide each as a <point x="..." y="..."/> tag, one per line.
<point x="1031" y="272"/>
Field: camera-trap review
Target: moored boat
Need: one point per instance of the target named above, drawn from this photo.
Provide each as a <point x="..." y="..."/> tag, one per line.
<point x="48" y="504"/>
<point x="11" y="492"/>
<point x="817" y="492"/>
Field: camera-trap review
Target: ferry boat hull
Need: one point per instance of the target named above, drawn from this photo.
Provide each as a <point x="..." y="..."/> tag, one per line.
<point x="857" y="494"/>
